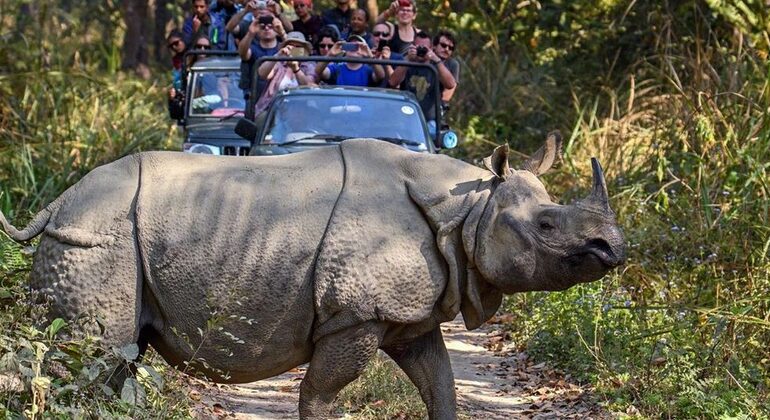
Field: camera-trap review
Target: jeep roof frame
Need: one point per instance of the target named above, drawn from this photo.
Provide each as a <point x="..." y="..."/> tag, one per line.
<point x="208" y="53"/>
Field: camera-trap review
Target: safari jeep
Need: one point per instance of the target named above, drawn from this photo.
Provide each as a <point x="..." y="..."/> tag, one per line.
<point x="297" y="119"/>
<point x="213" y="100"/>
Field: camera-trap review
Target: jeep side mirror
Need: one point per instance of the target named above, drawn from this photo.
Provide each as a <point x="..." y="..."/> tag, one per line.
<point x="246" y="129"/>
<point x="449" y="139"/>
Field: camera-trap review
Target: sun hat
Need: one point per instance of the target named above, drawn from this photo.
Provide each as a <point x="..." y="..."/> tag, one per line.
<point x="296" y="38"/>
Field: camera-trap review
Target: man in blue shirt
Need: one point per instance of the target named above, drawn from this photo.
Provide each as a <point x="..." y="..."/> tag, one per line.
<point x="264" y="29"/>
<point x="350" y="74"/>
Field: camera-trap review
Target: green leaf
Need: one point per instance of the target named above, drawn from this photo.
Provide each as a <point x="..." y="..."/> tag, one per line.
<point x="54" y="328"/>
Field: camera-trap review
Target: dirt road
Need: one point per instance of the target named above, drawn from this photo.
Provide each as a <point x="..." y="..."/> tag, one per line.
<point x="492" y="382"/>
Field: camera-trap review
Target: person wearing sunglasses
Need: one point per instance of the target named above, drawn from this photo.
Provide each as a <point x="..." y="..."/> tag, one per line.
<point x="422" y="81"/>
<point x="325" y="40"/>
<point x="177" y="47"/>
<point x="444" y="46"/>
<point x="381" y="36"/>
<point x="307" y="22"/>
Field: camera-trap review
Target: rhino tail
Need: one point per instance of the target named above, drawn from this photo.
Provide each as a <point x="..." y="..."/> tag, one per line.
<point x="34" y="228"/>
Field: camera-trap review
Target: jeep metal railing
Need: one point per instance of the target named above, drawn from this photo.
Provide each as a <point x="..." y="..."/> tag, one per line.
<point x="255" y="93"/>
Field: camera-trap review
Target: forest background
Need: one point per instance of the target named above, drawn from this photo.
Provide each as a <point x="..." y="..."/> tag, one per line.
<point x="672" y="97"/>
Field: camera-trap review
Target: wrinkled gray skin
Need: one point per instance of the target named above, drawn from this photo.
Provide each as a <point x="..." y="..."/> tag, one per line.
<point x="320" y="257"/>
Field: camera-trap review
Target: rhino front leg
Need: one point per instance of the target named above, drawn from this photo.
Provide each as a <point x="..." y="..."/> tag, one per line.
<point x="426" y="361"/>
<point x="337" y="360"/>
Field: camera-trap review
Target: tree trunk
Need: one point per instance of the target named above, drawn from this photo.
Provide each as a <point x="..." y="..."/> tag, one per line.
<point x="162" y="17"/>
<point x="135" y="54"/>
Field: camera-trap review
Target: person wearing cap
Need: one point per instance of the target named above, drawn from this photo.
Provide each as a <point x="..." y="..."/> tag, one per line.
<point x="308" y="22"/>
<point x="286" y="74"/>
<point x="350" y="74"/>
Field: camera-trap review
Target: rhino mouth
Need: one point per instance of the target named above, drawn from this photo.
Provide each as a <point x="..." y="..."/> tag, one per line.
<point x="600" y="252"/>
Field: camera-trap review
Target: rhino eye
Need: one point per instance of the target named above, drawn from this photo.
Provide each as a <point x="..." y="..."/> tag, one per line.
<point x="545" y="225"/>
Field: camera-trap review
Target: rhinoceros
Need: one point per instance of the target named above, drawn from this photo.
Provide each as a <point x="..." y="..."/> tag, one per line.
<point x="247" y="267"/>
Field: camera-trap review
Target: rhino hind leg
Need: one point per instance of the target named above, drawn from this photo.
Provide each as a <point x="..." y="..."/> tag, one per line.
<point x="100" y="284"/>
<point x="426" y="362"/>
<point x="337" y="360"/>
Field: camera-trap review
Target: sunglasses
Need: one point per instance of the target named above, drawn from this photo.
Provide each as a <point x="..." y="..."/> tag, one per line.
<point x="266" y="26"/>
<point x="378" y="33"/>
<point x="447" y="46"/>
<point x="325" y="46"/>
<point x="203" y="47"/>
<point x="174" y="44"/>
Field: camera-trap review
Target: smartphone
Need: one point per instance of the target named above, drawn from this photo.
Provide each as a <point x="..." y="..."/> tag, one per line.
<point x="261" y="4"/>
<point x="404" y="3"/>
<point x="382" y="44"/>
<point x="350" y="46"/>
<point x="297" y="52"/>
<point x="265" y="20"/>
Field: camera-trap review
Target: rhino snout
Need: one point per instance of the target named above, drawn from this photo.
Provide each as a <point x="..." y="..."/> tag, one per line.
<point x="608" y="255"/>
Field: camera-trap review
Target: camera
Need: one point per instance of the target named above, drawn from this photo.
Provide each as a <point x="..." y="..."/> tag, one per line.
<point x="261" y="4"/>
<point x="350" y="47"/>
<point x="298" y="52"/>
<point x="382" y="44"/>
<point x="265" y="20"/>
<point x="404" y="3"/>
<point x="421" y="51"/>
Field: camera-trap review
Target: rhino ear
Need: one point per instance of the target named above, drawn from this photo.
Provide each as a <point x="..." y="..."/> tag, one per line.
<point x="497" y="162"/>
<point x="540" y="162"/>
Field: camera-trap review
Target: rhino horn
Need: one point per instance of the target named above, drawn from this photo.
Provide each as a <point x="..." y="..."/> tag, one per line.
<point x="599" y="198"/>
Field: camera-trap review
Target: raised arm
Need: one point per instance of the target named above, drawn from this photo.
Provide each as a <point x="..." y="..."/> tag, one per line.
<point x="444" y="75"/>
<point x="244" y="47"/>
<point x="388" y="13"/>
<point x="234" y="22"/>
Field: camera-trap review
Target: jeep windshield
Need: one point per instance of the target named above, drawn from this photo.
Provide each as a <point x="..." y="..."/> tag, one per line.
<point x="321" y="119"/>
<point x="215" y="93"/>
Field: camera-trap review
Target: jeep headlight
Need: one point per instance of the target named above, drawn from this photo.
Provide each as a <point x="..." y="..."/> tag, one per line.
<point x="204" y="149"/>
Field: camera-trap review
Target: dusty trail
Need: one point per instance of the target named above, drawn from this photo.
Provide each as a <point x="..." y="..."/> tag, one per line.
<point x="492" y="382"/>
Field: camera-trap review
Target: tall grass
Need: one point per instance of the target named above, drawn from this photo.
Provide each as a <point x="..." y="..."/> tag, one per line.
<point x="683" y="133"/>
<point x="57" y="125"/>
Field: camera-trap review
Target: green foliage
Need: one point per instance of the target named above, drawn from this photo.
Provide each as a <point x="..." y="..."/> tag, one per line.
<point x="49" y="369"/>
<point x="382" y="392"/>
<point x="671" y="96"/>
<point x="59" y="125"/>
<point x="683" y="134"/>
